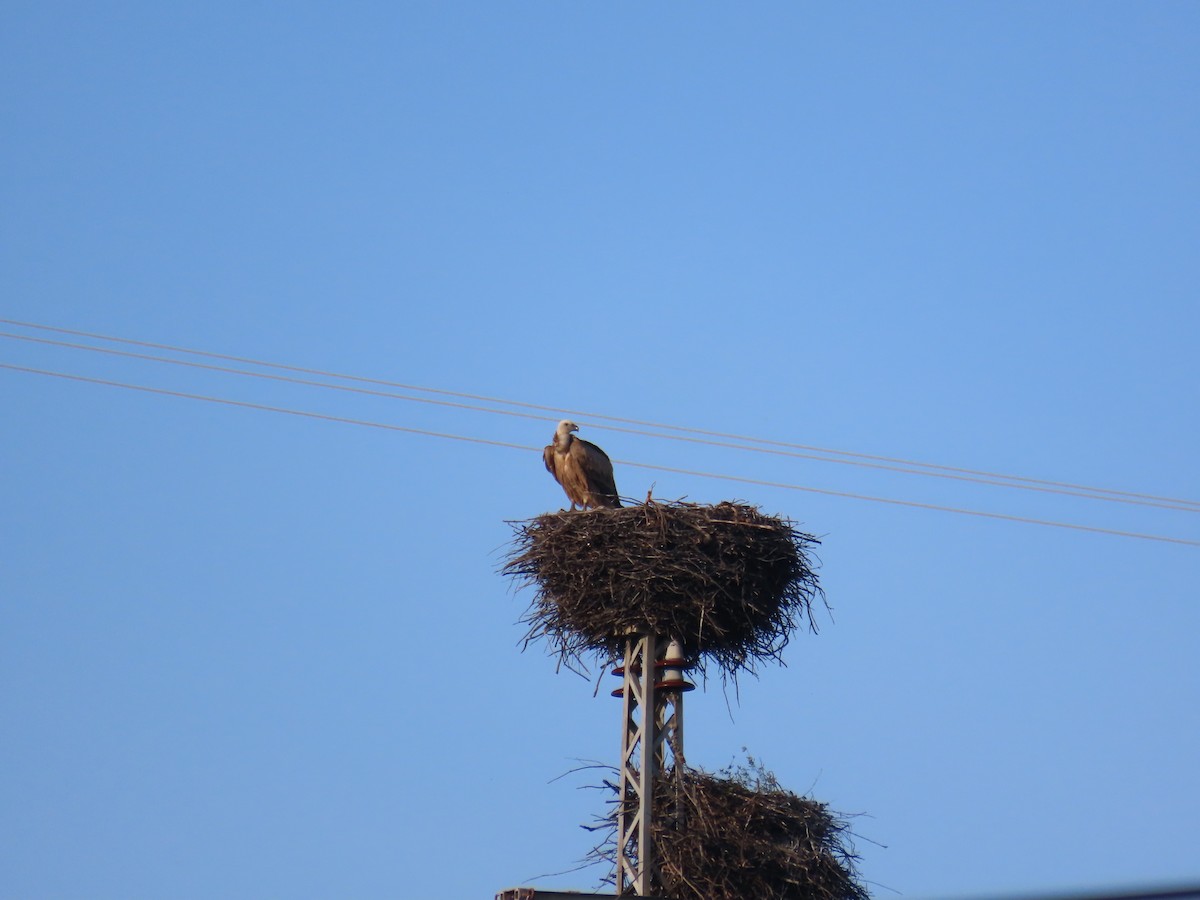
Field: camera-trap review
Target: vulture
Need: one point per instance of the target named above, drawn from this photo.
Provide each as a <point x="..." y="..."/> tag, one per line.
<point x="583" y="469"/>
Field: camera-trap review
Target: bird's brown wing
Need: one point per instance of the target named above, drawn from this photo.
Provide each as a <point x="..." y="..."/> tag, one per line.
<point x="597" y="467"/>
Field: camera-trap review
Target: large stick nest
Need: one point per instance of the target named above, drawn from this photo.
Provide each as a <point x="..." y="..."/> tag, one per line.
<point x="727" y="581"/>
<point x="739" y="834"/>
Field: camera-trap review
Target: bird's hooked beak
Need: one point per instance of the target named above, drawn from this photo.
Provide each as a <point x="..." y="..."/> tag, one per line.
<point x="573" y="427"/>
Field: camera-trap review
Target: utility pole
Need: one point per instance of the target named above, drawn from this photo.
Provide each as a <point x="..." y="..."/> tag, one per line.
<point x="653" y="685"/>
<point x="647" y="584"/>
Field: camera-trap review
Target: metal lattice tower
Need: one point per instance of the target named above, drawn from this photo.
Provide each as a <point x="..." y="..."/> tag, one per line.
<point x="651" y="743"/>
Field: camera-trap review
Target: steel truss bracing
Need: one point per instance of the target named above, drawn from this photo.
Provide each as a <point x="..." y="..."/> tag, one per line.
<point x="651" y="744"/>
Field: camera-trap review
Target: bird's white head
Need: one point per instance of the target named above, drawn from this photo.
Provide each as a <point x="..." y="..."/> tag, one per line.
<point x="565" y="427"/>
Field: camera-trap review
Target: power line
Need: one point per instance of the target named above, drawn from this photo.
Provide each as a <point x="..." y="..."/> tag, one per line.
<point x="1015" y="480"/>
<point x="265" y="407"/>
<point x="695" y="440"/>
<point x="724" y="477"/>
<point x="287" y="379"/>
<point x="993" y="481"/>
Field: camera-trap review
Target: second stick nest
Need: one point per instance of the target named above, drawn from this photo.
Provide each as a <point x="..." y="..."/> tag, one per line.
<point x="738" y="834"/>
<point x="727" y="581"/>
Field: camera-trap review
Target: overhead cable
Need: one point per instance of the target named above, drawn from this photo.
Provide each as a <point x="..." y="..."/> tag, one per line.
<point x="951" y="474"/>
<point x="736" y="478"/>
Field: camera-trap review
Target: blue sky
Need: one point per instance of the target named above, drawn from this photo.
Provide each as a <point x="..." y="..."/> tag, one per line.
<point x="248" y="654"/>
